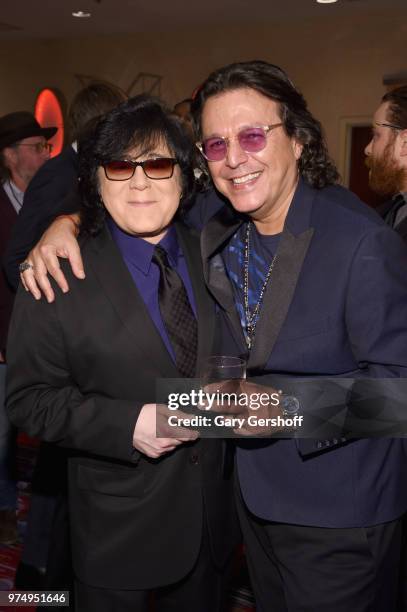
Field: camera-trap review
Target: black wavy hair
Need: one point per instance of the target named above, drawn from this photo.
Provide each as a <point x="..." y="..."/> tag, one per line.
<point x="314" y="165"/>
<point x="141" y="122"/>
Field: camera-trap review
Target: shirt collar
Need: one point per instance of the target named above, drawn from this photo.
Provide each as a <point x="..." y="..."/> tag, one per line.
<point x="15" y="195"/>
<point x="138" y="252"/>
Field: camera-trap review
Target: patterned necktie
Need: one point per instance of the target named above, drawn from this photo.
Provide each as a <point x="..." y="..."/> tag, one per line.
<point x="177" y="314"/>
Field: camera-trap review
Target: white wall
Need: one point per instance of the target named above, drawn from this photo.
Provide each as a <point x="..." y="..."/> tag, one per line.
<point x="338" y="64"/>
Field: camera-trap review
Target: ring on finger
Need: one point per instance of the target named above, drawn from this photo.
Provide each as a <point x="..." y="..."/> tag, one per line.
<point x="25" y="266"/>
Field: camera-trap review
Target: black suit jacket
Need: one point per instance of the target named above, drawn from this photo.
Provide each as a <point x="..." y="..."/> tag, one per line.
<point x="8" y="218"/>
<point x="79" y="372"/>
<point x="42" y="203"/>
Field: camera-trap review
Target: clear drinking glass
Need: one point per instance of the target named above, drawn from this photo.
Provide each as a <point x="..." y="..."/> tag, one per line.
<point x="221" y="374"/>
<point x="218" y="368"/>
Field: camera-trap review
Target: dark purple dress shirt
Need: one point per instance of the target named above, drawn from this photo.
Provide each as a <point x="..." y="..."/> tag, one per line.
<point x="137" y="254"/>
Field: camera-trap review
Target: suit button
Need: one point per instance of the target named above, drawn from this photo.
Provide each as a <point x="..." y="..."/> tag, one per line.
<point x="335" y="441"/>
<point x="194" y="459"/>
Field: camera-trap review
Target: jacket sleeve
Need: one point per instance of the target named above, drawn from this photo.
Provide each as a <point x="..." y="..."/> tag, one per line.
<point x="375" y="318"/>
<point x="204" y="207"/>
<point x="42" y="397"/>
<point x="48" y="196"/>
<point x="375" y="311"/>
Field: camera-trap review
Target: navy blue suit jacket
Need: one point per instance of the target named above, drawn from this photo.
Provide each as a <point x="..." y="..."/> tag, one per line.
<point x="336" y="307"/>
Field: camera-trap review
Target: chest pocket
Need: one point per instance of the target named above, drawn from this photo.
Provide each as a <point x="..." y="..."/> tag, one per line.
<point x="307" y="328"/>
<point x="319" y="346"/>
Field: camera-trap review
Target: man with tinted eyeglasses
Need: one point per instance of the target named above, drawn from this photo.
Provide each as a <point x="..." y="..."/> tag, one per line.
<point x="312" y="283"/>
<point x="387" y="158"/>
<point x="23" y="150"/>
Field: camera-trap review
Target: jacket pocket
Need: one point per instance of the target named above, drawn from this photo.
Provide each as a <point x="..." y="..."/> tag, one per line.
<point x="120" y="483"/>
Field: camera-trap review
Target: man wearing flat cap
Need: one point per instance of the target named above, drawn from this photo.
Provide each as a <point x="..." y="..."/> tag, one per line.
<point x="24" y="148"/>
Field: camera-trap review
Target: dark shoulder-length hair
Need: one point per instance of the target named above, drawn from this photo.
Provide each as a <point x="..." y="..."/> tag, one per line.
<point x="314" y="165"/>
<point x="142" y="123"/>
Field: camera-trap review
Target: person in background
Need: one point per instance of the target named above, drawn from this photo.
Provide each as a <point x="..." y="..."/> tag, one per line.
<point x="386" y="158"/>
<point x="58" y="177"/>
<point x="149" y="516"/>
<point x="24" y="148"/>
<point x="183" y="110"/>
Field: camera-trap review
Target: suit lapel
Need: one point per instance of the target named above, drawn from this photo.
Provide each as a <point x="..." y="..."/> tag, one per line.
<point x="278" y="295"/>
<point x="294" y="243"/>
<point x="119" y="287"/>
<point x="8" y="217"/>
<point x="8" y="213"/>
<point x="214" y="236"/>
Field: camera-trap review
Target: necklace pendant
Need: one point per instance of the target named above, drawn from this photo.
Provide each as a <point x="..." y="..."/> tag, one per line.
<point x="249" y="336"/>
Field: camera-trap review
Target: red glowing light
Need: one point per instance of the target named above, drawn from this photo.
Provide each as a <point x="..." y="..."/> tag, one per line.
<point x="48" y="113"/>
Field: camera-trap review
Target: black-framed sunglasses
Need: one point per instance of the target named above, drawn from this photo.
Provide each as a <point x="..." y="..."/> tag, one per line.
<point x="251" y="140"/>
<point x="158" y="168"/>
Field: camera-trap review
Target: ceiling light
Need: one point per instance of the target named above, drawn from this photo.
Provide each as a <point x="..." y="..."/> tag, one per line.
<point x="326" y="1"/>
<point x="81" y="14"/>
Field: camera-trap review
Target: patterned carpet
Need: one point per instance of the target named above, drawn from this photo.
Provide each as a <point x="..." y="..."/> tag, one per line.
<point x="10" y="555"/>
<point x="241" y="596"/>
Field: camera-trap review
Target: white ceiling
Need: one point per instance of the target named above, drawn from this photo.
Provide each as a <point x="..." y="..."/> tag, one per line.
<point x="52" y="18"/>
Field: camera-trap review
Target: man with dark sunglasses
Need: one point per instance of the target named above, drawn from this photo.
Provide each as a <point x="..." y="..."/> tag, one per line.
<point x="57" y="177"/>
<point x="308" y="283"/>
<point x="150" y="518"/>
